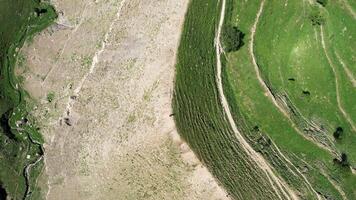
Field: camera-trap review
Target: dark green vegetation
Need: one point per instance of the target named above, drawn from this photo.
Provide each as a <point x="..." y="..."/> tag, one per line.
<point x="232" y="38"/>
<point x="198" y="113"/>
<point x="316" y="17"/>
<point x="292" y="62"/>
<point x="322" y="2"/>
<point x="20" y="141"/>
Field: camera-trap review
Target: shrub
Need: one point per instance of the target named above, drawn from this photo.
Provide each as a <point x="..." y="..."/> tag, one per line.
<point x="322" y="2"/>
<point x="232" y="38"/>
<point x="338" y="133"/>
<point x="50" y="96"/>
<point x="344" y="161"/>
<point x="317" y="18"/>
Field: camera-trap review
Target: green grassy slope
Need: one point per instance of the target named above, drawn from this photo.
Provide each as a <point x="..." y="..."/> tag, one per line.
<point x="340" y="33"/>
<point x="298" y="53"/>
<point x="199" y="115"/>
<point x="19" y="139"/>
<point x="287" y="46"/>
<point x="291" y="59"/>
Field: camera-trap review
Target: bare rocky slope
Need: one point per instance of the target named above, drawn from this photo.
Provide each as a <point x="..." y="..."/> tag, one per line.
<point x="102" y="79"/>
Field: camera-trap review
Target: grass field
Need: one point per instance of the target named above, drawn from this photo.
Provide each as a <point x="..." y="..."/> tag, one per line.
<point x="198" y="113"/>
<point x="295" y="67"/>
<point x="20" y="141"/>
<point x="296" y="54"/>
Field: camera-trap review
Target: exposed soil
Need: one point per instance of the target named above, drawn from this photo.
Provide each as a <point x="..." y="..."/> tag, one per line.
<point x="108" y="130"/>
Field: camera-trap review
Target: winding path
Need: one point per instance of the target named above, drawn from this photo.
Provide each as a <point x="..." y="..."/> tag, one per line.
<point x="260" y="161"/>
<point x="267" y="90"/>
<point x="347" y="70"/>
<point x="339" y="104"/>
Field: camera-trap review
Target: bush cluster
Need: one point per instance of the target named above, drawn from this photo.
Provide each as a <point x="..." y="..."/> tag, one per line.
<point x="317" y="19"/>
<point x="232" y="38"/>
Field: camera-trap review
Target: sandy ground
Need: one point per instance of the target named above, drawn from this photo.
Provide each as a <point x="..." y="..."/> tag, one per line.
<point x="108" y="131"/>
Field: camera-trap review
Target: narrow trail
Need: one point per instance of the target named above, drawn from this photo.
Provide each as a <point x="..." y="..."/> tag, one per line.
<point x="95" y="61"/>
<point x="335" y="185"/>
<point x="349" y="8"/>
<point x="347" y="70"/>
<point x="298" y="171"/>
<point x="267" y="90"/>
<point x="66" y="43"/>
<point x="260" y="161"/>
<point x="346" y="116"/>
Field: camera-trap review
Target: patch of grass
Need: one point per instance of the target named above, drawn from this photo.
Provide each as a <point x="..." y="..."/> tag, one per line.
<point x="86" y="61"/>
<point x="131" y="118"/>
<point x="50" y="96"/>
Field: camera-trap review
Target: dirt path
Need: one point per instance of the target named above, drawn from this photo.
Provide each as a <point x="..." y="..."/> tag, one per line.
<point x="347" y="70"/>
<point x="251" y="48"/>
<point x="260" y="161"/>
<point x="308" y="184"/>
<point x="267" y="90"/>
<point x="339" y="104"/>
<point x="349" y="8"/>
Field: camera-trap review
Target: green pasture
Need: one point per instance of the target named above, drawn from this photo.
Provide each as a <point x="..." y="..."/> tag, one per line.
<point x="198" y="113"/>
<point x="293" y="64"/>
<point x="288" y="46"/>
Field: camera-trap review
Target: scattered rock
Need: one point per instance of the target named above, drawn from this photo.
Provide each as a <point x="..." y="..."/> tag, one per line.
<point x="68" y="121"/>
<point x="305" y="169"/>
